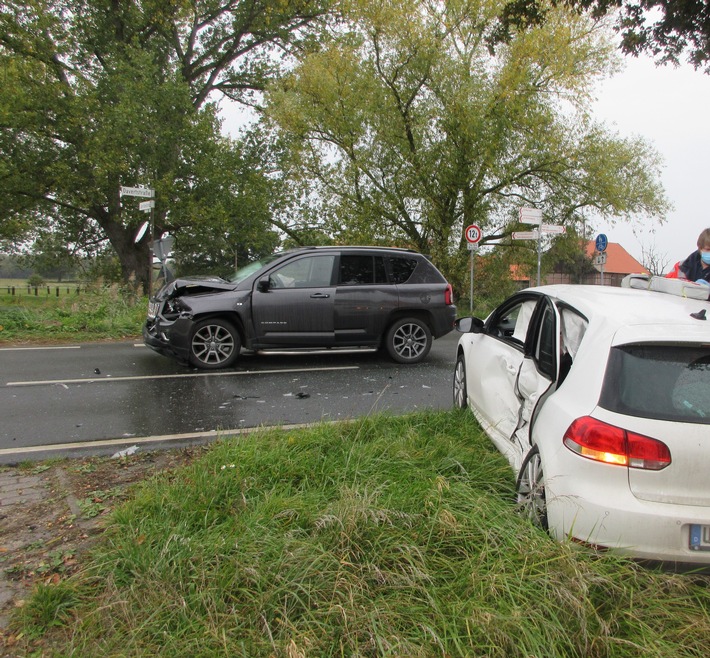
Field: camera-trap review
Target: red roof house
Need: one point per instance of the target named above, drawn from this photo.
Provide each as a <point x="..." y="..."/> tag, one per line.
<point x="619" y="263"/>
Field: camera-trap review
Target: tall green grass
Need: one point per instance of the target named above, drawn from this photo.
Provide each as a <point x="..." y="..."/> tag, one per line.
<point x="389" y="536"/>
<point x="95" y="314"/>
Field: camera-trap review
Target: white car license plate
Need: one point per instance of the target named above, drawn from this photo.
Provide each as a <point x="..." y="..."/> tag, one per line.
<point x="153" y="308"/>
<point x="700" y="537"/>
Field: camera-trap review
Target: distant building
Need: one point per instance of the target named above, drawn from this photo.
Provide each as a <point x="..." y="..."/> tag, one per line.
<point x="619" y="263"/>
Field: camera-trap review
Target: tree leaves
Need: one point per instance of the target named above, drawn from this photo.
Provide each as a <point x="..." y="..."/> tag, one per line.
<point x="411" y="129"/>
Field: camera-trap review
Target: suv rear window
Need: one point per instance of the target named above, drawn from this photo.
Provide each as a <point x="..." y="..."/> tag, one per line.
<point x="665" y="382"/>
<point x="363" y="269"/>
<point x="401" y="268"/>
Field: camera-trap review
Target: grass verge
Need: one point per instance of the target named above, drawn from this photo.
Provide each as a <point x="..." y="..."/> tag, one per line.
<point x="96" y="314"/>
<point x="388" y="536"/>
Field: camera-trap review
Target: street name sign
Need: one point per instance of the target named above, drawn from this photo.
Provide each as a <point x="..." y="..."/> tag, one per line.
<point x="145" y="192"/>
<point x="525" y="235"/>
<point x="530" y="215"/>
<point x="552" y="228"/>
<point x="145" y="206"/>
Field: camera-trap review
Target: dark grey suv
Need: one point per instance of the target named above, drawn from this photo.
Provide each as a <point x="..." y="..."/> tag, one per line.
<point x="315" y="297"/>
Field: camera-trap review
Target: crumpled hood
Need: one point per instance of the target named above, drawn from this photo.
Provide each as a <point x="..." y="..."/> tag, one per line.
<point x="192" y="285"/>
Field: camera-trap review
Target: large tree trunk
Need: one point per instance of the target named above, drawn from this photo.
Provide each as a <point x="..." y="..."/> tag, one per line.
<point x="136" y="268"/>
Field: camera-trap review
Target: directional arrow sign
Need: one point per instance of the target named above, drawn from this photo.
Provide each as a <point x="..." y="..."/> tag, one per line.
<point x="145" y="192"/>
<point x="530" y="215"/>
<point x="552" y="228"/>
<point x="525" y="235"/>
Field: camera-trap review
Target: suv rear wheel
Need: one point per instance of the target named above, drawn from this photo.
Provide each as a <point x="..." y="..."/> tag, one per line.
<point x="215" y="344"/>
<point x="408" y="340"/>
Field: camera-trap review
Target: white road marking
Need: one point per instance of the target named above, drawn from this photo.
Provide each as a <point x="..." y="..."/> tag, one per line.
<point x="146" y="440"/>
<point x="95" y="380"/>
<point x="46" y="347"/>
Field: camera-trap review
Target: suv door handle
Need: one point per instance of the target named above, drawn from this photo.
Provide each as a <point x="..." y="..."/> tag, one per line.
<point x="319" y="295"/>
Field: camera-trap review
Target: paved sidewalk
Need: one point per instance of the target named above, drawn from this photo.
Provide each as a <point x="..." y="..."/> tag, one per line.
<point x="16" y="493"/>
<point x="20" y="489"/>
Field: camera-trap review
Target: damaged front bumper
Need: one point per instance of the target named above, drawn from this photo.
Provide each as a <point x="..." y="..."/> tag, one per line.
<point x="171" y="341"/>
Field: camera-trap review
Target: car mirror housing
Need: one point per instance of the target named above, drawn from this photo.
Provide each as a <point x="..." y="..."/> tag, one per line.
<point x="469" y="325"/>
<point x="263" y="285"/>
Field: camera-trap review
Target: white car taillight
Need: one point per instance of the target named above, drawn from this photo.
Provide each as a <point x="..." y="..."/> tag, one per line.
<point x="599" y="441"/>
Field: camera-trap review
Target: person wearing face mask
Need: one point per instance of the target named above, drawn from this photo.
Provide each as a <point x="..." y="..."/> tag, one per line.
<point x="696" y="267"/>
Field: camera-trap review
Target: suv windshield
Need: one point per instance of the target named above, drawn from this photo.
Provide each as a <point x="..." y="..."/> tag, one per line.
<point x="243" y="272"/>
<point x="666" y="382"/>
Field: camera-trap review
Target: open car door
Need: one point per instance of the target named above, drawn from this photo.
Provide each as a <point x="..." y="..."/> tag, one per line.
<point x="539" y="371"/>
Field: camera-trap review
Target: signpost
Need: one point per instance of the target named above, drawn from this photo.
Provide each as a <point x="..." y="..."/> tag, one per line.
<point x="473" y="236"/>
<point x="145" y="192"/>
<point x="526" y="235"/>
<point x="601" y="244"/>
<point x="534" y="216"/>
<point x="146" y="206"/>
<point x="530" y="215"/>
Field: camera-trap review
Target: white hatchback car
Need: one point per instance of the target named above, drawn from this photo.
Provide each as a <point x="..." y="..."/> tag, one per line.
<point x="599" y="398"/>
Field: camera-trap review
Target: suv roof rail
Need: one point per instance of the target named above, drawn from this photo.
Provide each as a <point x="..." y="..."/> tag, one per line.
<point x="364" y="246"/>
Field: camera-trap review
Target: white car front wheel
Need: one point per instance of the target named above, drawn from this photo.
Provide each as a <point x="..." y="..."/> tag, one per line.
<point x="530" y="489"/>
<point x="460" y="390"/>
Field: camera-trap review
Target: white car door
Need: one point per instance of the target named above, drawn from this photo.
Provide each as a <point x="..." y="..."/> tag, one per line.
<point x="493" y="364"/>
<point x="539" y="373"/>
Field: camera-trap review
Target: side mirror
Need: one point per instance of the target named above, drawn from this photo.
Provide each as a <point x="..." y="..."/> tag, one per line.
<point x="469" y="325"/>
<point x="263" y="285"/>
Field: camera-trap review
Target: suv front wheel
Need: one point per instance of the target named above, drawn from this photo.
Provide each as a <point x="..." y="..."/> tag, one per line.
<point x="408" y="340"/>
<point x="214" y="344"/>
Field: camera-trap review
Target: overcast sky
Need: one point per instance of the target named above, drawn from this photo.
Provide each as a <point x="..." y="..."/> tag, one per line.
<point x="669" y="107"/>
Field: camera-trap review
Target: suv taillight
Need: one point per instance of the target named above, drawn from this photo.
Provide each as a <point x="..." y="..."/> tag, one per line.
<point x="449" y="295"/>
<point x="599" y="441"/>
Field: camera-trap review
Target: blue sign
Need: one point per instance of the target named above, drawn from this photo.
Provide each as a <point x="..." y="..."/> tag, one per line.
<point x="601" y="242"/>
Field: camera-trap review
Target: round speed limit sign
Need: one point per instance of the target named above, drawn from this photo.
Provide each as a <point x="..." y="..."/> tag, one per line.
<point x="473" y="234"/>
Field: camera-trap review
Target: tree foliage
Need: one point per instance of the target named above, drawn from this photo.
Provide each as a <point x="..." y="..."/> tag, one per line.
<point x="666" y="29"/>
<point x="411" y="129"/>
<point x="97" y="95"/>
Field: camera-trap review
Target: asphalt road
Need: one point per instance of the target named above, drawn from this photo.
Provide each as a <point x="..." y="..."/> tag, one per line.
<point x="104" y="398"/>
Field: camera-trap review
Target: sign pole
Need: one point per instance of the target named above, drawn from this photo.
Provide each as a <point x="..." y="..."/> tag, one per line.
<point x="144" y="193"/>
<point x="539" y="255"/>
<point x="601" y="244"/>
<point x="534" y="216"/>
<point x="473" y="235"/>
<point x="470" y="293"/>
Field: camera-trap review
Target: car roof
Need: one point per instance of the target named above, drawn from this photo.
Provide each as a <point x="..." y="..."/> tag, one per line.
<point x="623" y="307"/>
<point x="351" y="248"/>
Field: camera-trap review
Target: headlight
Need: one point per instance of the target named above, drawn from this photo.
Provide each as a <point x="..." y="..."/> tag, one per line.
<point x="173" y="308"/>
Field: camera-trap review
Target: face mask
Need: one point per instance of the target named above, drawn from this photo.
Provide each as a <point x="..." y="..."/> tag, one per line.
<point x="705" y="257"/>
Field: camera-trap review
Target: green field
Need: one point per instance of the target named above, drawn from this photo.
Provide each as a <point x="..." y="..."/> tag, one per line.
<point x="75" y="314"/>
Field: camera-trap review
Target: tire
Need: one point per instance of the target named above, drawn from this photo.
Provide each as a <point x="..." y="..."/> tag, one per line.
<point x="408" y="340"/>
<point x="530" y="489"/>
<point x="214" y="344"/>
<point x="460" y="389"/>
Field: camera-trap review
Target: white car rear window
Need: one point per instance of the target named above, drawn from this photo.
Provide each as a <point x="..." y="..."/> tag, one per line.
<point x="667" y="382"/>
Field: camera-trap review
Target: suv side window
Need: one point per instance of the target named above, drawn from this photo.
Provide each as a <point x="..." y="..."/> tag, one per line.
<point x="361" y="269"/>
<point x="401" y="268"/>
<point x="309" y="272"/>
